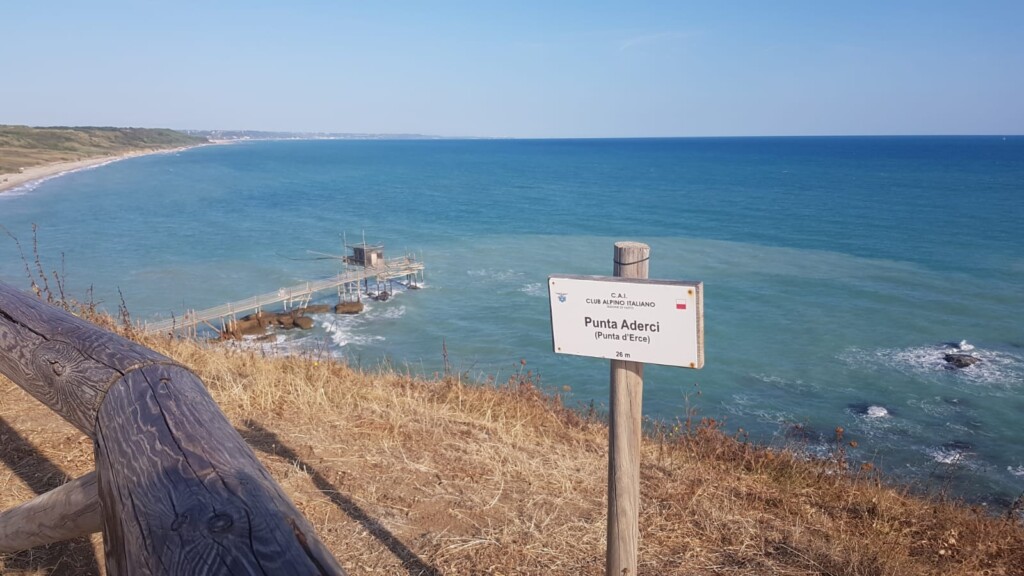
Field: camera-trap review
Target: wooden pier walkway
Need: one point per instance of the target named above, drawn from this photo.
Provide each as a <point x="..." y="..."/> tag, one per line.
<point x="406" y="266"/>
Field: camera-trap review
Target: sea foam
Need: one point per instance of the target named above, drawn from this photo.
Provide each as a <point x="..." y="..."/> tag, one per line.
<point x="876" y="412"/>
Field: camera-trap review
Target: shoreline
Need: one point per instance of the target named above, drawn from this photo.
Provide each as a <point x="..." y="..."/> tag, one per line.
<point x="35" y="175"/>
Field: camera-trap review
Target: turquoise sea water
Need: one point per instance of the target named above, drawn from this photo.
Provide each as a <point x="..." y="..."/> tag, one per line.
<point x="836" y="270"/>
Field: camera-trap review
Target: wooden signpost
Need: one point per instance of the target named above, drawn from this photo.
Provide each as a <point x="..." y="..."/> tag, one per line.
<point x="630" y="320"/>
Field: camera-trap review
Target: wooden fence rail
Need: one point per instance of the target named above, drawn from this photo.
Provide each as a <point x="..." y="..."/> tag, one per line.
<point x="179" y="491"/>
<point x="66" y="512"/>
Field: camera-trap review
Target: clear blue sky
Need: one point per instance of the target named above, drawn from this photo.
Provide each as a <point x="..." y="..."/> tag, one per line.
<point x="518" y="68"/>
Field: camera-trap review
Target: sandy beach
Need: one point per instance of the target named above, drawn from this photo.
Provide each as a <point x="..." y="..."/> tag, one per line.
<point x="42" y="172"/>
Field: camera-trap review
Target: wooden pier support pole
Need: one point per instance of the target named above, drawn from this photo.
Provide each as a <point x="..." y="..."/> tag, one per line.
<point x="627" y="382"/>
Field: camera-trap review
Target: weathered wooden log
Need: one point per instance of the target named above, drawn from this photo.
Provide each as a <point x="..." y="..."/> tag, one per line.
<point x="182" y="498"/>
<point x="66" y="512"/>
<point x="180" y="491"/>
<point x="63" y="361"/>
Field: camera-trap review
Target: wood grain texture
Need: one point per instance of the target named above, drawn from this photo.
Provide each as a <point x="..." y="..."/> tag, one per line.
<point x="183" y="494"/>
<point x="179" y="490"/>
<point x="624" y="433"/>
<point x="63" y="361"/>
<point x="66" y="512"/>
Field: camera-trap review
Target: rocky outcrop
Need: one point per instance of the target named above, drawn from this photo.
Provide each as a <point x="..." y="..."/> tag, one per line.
<point x="960" y="360"/>
<point x="348" y="308"/>
<point x="250" y="327"/>
<point x="257" y="323"/>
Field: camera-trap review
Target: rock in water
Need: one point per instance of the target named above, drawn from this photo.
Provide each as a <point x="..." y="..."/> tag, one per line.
<point x="304" y="322"/>
<point x="348" y="308"/>
<point x="961" y="360"/>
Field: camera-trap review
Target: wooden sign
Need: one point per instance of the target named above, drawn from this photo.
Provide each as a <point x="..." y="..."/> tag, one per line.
<point x="650" y="321"/>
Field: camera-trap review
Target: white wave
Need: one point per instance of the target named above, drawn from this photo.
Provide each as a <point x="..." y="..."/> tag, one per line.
<point x="343" y="330"/>
<point x="936" y="406"/>
<point x="15" y="192"/>
<point x="960" y="428"/>
<point x="964" y="346"/>
<point x="796" y="385"/>
<point x="271" y="345"/>
<point x="769" y="379"/>
<point x="33" y="184"/>
<point x="339" y="330"/>
<point x="876" y="412"/>
<point x="948" y="456"/>
<point x="536" y="289"/>
<point x="1016" y="471"/>
<point x="996" y="368"/>
<point x="885" y="430"/>
<point x="745" y="405"/>
<point x="817" y="450"/>
<point x="393" y="312"/>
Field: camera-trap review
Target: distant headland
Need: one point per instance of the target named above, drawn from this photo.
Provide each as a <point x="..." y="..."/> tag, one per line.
<point x="29" y="154"/>
<point x="234" y="135"/>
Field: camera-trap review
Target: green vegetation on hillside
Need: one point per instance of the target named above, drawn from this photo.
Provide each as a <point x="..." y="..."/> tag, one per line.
<point x="24" y="146"/>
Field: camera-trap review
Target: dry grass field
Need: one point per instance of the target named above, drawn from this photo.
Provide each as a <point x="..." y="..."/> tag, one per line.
<point x="25" y="147"/>
<point x="402" y="475"/>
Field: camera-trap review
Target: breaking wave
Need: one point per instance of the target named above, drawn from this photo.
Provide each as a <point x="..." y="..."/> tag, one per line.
<point x="996" y="368"/>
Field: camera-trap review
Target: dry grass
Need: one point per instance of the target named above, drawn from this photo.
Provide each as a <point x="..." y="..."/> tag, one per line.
<point x="406" y="476"/>
<point x="24" y="147"/>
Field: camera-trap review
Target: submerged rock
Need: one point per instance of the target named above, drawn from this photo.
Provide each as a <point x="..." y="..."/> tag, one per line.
<point x="961" y="360"/>
<point x="869" y="410"/>
<point x="958" y="445"/>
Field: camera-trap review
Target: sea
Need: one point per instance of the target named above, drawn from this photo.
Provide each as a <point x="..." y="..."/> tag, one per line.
<point x="837" y="271"/>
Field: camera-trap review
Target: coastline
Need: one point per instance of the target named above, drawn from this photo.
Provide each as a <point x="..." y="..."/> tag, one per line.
<point x="35" y="175"/>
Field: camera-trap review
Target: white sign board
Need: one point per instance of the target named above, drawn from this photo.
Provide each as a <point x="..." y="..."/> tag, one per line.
<point x="651" y="321"/>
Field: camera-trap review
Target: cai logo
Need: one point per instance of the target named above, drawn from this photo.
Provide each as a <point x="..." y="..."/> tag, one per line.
<point x="561" y="296"/>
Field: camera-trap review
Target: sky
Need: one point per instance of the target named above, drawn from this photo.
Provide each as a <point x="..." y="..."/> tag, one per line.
<point x="522" y="69"/>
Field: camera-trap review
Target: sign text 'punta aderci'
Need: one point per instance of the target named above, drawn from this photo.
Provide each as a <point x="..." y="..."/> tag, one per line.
<point x="650" y="321"/>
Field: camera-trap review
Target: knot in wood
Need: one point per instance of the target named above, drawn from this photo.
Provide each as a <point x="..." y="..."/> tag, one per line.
<point x="55" y="359"/>
<point x="179" y="521"/>
<point x="219" y="523"/>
